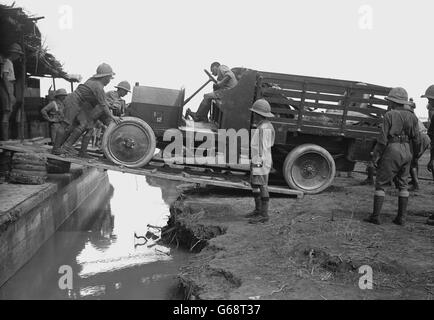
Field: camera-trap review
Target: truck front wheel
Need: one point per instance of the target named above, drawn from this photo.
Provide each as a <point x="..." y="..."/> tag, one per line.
<point x="130" y="143"/>
<point x="309" y="168"/>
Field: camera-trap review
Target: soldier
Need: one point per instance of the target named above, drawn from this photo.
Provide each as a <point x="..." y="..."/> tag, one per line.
<point x="80" y="110"/>
<point x="392" y="154"/>
<point x="429" y="94"/>
<point x="53" y="112"/>
<point x="117" y="107"/>
<point x="425" y="142"/>
<point x="430" y="106"/>
<point x="226" y="79"/>
<point x="117" y="104"/>
<point x="262" y="162"/>
<point x="7" y="86"/>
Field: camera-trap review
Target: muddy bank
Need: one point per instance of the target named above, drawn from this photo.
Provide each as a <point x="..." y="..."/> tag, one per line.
<point x="311" y="249"/>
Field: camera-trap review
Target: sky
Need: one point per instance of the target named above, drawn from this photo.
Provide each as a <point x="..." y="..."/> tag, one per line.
<point x="168" y="43"/>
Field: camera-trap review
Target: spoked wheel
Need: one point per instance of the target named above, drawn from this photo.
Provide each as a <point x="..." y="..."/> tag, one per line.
<point x="130" y="143"/>
<point x="309" y="168"/>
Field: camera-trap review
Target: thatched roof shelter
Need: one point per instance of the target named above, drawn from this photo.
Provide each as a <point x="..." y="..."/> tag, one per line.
<point x="16" y="25"/>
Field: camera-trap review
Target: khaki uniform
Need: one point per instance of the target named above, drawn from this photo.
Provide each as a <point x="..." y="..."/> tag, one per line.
<point x="260" y="146"/>
<point x="205" y="106"/>
<point x="116" y="103"/>
<point x="53" y="113"/>
<point x="7" y="94"/>
<point x="400" y="129"/>
<point x="79" y="106"/>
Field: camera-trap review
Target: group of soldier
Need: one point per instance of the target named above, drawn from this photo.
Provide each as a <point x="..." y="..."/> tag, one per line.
<point x="397" y="152"/>
<point x="395" y="156"/>
<point x="402" y="142"/>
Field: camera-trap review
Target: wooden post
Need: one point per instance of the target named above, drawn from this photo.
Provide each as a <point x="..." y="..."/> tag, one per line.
<point x="23" y="88"/>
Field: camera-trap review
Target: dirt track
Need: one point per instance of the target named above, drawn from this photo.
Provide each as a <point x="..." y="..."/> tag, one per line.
<point x="311" y="249"/>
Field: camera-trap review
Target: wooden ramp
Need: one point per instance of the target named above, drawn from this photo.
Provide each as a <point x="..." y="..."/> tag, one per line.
<point x="156" y="168"/>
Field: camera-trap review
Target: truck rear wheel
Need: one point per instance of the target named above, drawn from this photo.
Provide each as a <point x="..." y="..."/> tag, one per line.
<point x="130" y="143"/>
<point x="309" y="168"/>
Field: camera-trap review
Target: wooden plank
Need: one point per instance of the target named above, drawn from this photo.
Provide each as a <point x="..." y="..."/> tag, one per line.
<point x="381" y="91"/>
<point x="307" y="79"/>
<point x="313" y="87"/>
<point x="308" y="95"/>
<point x="153" y="172"/>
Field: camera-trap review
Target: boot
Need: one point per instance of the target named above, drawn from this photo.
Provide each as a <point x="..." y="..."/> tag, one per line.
<point x="370" y="179"/>
<point x="84" y="145"/>
<point x="258" y="207"/>
<point x="414" y="179"/>
<point x="402" y="211"/>
<point x="375" y="216"/>
<point x="5" y="131"/>
<point x="67" y="148"/>
<point x="61" y="136"/>
<point x="263" y="216"/>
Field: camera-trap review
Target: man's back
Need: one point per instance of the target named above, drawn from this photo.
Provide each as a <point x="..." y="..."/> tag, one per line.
<point x="224" y="71"/>
<point x="398" y="123"/>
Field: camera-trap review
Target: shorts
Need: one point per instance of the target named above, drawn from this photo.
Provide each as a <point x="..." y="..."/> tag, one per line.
<point x="261" y="180"/>
<point x="394" y="163"/>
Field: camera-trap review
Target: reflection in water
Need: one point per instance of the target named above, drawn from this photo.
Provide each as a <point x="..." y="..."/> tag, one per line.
<point x="98" y="243"/>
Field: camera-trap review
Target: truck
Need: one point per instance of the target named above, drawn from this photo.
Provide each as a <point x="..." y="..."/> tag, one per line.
<point x="322" y="125"/>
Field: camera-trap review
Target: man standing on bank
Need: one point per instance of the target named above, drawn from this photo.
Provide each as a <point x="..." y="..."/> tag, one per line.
<point x="392" y="155"/>
<point x="226" y="79"/>
<point x="262" y="140"/>
<point x="53" y="112"/>
<point x="7" y="86"/>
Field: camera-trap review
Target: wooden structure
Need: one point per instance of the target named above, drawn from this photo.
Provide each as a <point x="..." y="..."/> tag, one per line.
<point x="17" y="26"/>
<point x="156" y="168"/>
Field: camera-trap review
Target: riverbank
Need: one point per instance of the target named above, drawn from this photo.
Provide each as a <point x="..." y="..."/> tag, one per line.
<point x="30" y="214"/>
<point x="311" y="248"/>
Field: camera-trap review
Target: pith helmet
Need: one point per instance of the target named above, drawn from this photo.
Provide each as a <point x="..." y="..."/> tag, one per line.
<point x="16" y="48"/>
<point x="263" y="108"/>
<point x="60" y="92"/>
<point x="124" y="85"/>
<point x="429" y="93"/>
<point x="103" y="70"/>
<point x="398" y="95"/>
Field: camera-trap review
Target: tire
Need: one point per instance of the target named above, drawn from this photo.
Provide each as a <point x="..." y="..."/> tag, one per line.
<point x="131" y="143"/>
<point x="309" y="168"/>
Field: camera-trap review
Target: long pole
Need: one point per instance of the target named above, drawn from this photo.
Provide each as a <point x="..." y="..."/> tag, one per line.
<point x="197" y="91"/>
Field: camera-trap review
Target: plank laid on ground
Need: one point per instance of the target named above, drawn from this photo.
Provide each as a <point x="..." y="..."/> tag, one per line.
<point x="150" y="171"/>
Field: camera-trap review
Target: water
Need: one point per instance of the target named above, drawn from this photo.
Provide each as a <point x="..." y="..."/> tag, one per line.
<point x="97" y="242"/>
